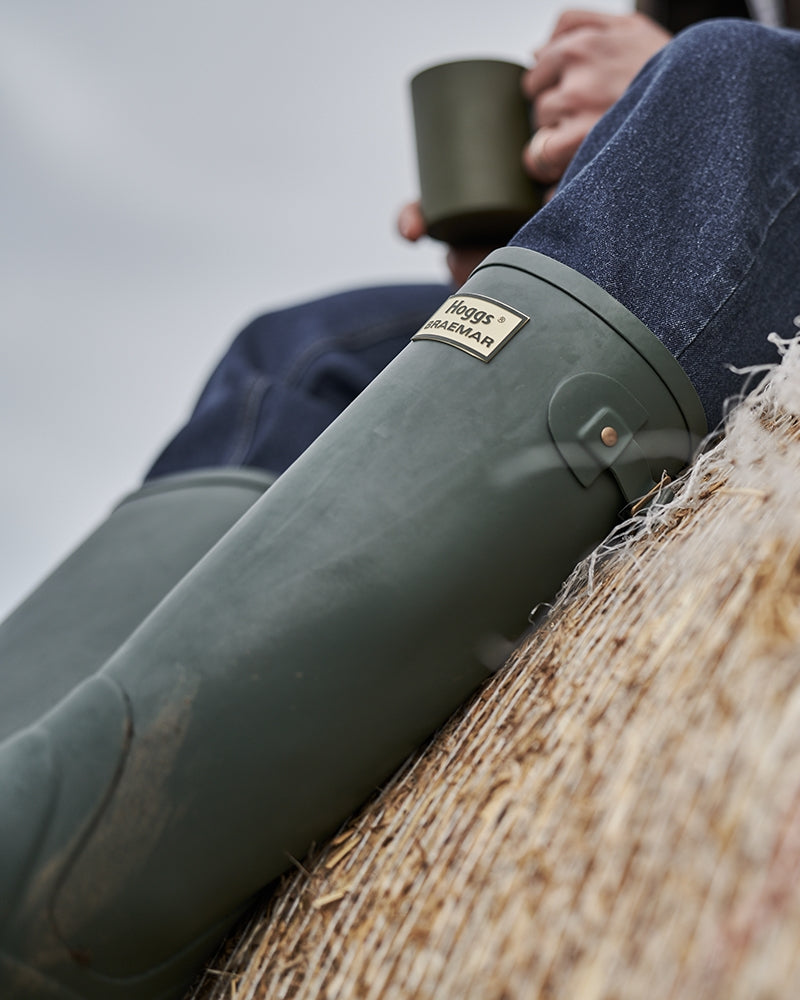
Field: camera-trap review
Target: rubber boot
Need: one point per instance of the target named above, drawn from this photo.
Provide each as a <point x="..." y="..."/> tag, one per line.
<point x="89" y="605"/>
<point x="359" y="602"/>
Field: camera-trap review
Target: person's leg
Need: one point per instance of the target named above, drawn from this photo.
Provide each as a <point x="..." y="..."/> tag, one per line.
<point x="291" y="372"/>
<point x="365" y="595"/>
<point x="682" y="203"/>
<point x="283" y="380"/>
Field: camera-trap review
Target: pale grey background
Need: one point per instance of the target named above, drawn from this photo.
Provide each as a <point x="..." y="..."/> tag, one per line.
<point x="170" y="168"/>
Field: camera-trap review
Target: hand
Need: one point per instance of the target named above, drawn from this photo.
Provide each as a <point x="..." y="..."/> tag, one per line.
<point x="583" y="69"/>
<point x="461" y="261"/>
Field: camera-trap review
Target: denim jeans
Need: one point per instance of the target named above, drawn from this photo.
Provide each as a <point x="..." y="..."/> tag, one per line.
<point x="682" y="203"/>
<point x="290" y="373"/>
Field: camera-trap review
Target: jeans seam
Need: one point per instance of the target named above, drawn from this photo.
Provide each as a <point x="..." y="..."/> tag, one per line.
<point x="248" y="420"/>
<point x="784" y="205"/>
<point x="358" y="339"/>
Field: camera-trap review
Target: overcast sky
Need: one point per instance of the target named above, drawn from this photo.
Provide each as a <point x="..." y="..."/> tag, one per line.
<point x="169" y="169"/>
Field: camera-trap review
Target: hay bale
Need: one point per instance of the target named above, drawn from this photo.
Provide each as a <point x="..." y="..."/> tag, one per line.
<point x="617" y="813"/>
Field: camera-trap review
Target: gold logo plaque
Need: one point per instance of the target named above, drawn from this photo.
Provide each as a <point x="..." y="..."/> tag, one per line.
<point x="473" y="323"/>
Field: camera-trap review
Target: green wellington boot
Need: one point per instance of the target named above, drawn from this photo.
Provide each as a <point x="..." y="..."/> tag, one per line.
<point x="89" y="605"/>
<point x="331" y="630"/>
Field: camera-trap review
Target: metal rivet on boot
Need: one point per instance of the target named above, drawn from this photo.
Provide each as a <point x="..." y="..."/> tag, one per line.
<point x="609" y="436"/>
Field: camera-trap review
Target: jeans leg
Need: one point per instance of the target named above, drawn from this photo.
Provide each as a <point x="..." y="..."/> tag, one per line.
<point x="290" y="373"/>
<point x="682" y="202"/>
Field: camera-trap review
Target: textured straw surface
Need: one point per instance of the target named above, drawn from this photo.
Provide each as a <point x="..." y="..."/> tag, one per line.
<point x="617" y="813"/>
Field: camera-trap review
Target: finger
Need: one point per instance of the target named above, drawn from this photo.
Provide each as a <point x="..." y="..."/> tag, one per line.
<point x="570" y="20"/>
<point x="550" y="151"/>
<point x="411" y="223"/>
<point x="537" y="157"/>
<point x="550" y="107"/>
<point x="545" y="72"/>
<point x="580" y="90"/>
